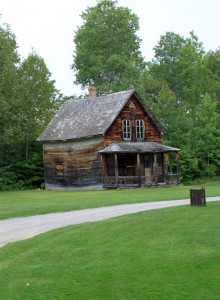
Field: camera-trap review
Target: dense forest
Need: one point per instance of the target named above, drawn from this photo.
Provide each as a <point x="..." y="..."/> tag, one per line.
<point x="181" y="85"/>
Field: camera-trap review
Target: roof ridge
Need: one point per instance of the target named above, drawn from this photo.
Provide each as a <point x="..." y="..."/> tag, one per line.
<point x="102" y="95"/>
<point x="115" y="93"/>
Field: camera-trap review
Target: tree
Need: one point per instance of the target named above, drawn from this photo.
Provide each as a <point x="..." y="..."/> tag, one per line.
<point x="171" y="114"/>
<point x="182" y="86"/>
<point x="212" y="63"/>
<point x="166" y="65"/>
<point x="38" y="98"/>
<point x="206" y="136"/>
<point x="9" y="60"/>
<point x="28" y="98"/>
<point x="107" y="52"/>
<point x="180" y="62"/>
<point x="194" y="76"/>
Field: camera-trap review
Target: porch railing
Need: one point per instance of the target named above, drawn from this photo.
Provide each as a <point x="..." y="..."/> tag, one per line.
<point x="137" y="181"/>
<point x="172" y="178"/>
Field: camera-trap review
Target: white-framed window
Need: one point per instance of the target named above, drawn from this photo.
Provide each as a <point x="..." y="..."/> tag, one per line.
<point x="140" y="129"/>
<point x="126" y="129"/>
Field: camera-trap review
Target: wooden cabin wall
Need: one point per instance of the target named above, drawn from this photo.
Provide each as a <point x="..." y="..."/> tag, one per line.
<point x="115" y="132"/>
<point x="73" y="164"/>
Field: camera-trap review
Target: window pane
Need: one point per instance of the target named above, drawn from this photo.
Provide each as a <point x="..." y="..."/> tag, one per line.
<point x="140" y="129"/>
<point x="126" y="130"/>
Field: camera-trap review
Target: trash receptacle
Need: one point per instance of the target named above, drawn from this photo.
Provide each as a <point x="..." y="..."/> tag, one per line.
<point x="197" y="197"/>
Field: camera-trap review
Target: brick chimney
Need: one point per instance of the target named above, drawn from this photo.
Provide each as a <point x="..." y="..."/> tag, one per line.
<point x="92" y="93"/>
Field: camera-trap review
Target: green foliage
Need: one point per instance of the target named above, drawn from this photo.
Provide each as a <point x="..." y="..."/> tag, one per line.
<point x="166" y="65"/>
<point x="181" y="85"/>
<point x="38" y="98"/>
<point x="28" y="99"/>
<point x="207" y="136"/>
<point x="23" y="173"/>
<point x="212" y="63"/>
<point x="179" y="62"/>
<point x="9" y="60"/>
<point x="107" y="51"/>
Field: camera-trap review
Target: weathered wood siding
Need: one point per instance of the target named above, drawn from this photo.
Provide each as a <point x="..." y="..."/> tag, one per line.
<point x="73" y="164"/>
<point x="115" y="132"/>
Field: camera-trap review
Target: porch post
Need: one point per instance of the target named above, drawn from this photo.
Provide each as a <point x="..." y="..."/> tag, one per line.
<point x="166" y="163"/>
<point x="103" y="160"/>
<point x="139" y="168"/>
<point x="177" y="168"/>
<point x="102" y="169"/>
<point x="116" y="168"/>
<point x="155" y="168"/>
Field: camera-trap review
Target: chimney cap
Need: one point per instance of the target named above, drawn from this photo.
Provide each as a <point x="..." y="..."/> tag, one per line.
<point x="92" y="87"/>
<point x="92" y="92"/>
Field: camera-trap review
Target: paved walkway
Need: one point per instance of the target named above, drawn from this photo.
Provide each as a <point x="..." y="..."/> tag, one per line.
<point x="16" y="229"/>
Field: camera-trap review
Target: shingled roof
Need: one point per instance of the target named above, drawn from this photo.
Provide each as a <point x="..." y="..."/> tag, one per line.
<point x="85" y="118"/>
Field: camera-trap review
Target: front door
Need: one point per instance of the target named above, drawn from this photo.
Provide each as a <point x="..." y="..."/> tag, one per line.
<point x="148" y="168"/>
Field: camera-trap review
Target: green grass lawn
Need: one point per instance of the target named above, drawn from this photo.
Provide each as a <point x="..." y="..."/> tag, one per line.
<point x="171" y="253"/>
<point x="26" y="203"/>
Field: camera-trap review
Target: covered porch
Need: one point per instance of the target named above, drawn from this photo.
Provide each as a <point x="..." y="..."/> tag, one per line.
<point x="135" y="164"/>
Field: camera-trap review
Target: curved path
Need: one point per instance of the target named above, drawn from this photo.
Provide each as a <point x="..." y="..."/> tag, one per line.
<point x="16" y="229"/>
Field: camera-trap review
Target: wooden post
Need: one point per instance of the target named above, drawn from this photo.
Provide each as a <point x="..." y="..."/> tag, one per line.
<point x="155" y="168"/>
<point x="197" y="197"/>
<point x="139" y="168"/>
<point x="116" y="168"/>
<point x="177" y="168"/>
<point x="166" y="163"/>
<point x="102" y="169"/>
<point x="103" y="160"/>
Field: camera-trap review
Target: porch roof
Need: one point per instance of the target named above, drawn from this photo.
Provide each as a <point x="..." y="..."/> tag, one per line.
<point x="138" y="147"/>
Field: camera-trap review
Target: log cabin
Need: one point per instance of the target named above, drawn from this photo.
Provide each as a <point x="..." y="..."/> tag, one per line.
<point x="106" y="141"/>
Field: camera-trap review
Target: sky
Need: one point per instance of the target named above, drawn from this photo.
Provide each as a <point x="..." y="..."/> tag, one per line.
<point x="48" y="26"/>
